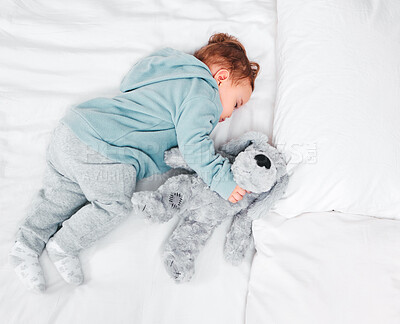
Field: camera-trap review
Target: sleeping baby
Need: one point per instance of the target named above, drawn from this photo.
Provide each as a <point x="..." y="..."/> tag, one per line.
<point x="103" y="146"/>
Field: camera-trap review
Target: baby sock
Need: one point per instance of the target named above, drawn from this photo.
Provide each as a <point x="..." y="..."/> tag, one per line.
<point x="26" y="265"/>
<point x="66" y="264"/>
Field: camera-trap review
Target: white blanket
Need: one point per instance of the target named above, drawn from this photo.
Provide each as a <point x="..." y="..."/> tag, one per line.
<point x="57" y="54"/>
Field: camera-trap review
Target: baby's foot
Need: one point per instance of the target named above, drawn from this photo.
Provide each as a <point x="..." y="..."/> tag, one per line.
<point x="26" y="265"/>
<point x="66" y="264"/>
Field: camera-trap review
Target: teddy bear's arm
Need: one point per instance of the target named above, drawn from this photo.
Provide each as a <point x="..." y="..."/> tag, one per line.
<point x="266" y="200"/>
<point x="173" y="158"/>
<point x="239" y="238"/>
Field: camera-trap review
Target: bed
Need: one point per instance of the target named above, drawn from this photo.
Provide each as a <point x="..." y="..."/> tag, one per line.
<point x="327" y="96"/>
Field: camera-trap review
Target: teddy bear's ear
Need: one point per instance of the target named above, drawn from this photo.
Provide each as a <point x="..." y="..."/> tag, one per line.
<point x="237" y="145"/>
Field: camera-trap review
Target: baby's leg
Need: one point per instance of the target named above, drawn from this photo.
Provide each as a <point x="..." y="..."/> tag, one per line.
<point x="56" y="201"/>
<point x="109" y="189"/>
<point x="108" y="186"/>
<point x="110" y="204"/>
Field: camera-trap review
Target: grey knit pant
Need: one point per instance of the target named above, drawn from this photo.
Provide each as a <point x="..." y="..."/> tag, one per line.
<point x="84" y="196"/>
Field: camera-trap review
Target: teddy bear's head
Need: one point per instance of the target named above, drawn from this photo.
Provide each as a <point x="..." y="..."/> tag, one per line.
<point x="258" y="165"/>
<point x="254" y="170"/>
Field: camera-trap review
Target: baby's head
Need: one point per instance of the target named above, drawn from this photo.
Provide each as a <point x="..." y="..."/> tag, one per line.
<point x="226" y="58"/>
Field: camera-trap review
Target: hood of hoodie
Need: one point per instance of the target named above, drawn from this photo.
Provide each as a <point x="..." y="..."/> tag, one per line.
<point x="163" y="65"/>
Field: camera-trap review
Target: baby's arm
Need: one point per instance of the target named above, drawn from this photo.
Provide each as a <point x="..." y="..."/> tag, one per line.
<point x="194" y="123"/>
<point x="174" y="159"/>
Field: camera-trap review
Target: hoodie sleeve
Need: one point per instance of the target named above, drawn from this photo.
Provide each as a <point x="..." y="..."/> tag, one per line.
<point x="194" y="124"/>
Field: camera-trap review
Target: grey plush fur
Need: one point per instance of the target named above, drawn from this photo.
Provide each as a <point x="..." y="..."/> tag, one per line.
<point x="257" y="167"/>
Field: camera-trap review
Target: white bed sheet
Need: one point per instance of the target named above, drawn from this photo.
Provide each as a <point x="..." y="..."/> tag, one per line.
<point x="327" y="267"/>
<point x="57" y="54"/>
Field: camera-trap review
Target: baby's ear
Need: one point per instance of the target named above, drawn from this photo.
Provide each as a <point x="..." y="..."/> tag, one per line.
<point x="237" y="145"/>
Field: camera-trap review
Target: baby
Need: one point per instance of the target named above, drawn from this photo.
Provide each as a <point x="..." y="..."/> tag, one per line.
<point x="103" y="146"/>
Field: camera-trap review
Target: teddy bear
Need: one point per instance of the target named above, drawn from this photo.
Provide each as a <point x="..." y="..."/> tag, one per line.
<point x="257" y="167"/>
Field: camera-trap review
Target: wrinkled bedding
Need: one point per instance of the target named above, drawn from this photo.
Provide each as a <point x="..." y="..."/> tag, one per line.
<point x="57" y="54"/>
<point x="320" y="267"/>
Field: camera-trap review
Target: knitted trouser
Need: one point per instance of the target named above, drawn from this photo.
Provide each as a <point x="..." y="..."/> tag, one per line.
<point x="84" y="196"/>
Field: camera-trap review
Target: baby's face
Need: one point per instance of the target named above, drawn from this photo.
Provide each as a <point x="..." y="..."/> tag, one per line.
<point x="233" y="96"/>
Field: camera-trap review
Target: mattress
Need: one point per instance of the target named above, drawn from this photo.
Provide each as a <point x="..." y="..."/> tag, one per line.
<point x="56" y="55"/>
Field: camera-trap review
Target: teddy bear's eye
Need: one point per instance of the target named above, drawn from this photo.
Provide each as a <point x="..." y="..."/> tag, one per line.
<point x="175" y="199"/>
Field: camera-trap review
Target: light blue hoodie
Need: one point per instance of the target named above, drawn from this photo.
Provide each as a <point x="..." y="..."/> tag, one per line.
<point x="168" y="99"/>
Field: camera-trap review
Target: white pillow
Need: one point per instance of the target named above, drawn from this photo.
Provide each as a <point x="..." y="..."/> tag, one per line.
<point x="337" y="115"/>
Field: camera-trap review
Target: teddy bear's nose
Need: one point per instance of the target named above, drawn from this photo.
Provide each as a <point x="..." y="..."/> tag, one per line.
<point x="263" y="161"/>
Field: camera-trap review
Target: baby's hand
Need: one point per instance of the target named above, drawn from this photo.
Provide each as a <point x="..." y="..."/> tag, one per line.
<point x="237" y="194"/>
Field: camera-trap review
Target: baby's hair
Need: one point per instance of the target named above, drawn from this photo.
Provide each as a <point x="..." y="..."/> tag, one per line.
<point x="227" y="52"/>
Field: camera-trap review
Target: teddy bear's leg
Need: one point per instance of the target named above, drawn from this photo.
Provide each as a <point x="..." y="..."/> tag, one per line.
<point x="170" y="199"/>
<point x="239" y="238"/>
<point x="183" y="246"/>
<point x="150" y="205"/>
